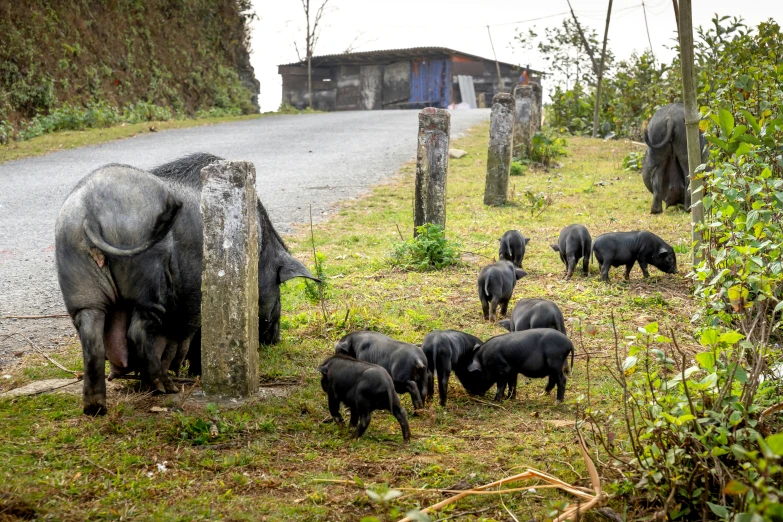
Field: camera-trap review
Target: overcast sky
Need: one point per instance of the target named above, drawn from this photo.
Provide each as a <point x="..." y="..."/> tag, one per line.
<point x="370" y="25"/>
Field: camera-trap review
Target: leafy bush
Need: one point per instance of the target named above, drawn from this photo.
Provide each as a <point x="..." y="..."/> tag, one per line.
<point x="428" y="250"/>
<point x="633" y="161"/>
<point x="518" y="168"/>
<point x="693" y="431"/>
<point x="6" y="132"/>
<point x="145" y="111"/>
<point x="545" y="149"/>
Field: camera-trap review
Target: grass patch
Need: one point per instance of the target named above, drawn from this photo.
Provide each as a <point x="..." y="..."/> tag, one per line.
<point x="275" y="458"/>
<point x="73" y="139"/>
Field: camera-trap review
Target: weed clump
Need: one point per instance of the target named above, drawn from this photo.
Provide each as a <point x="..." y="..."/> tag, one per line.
<point x="518" y="168"/>
<point x="428" y="250"/>
<point x="633" y="161"/>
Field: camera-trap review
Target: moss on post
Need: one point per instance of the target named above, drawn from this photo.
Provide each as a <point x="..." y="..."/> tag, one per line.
<point x="432" y="167"/>
<point x="501" y="126"/>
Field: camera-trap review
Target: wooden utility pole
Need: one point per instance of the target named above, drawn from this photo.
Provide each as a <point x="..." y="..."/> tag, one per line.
<point x="497" y="64"/>
<point x="597" y="108"/>
<point x="691" y="124"/>
<point x="584" y="40"/>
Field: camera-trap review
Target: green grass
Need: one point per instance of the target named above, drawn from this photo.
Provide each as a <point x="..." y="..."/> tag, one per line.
<point x="276" y="459"/>
<point x="73" y="139"/>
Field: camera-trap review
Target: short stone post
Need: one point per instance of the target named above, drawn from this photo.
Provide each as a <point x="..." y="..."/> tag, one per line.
<point x="432" y="167"/>
<point x="229" y="284"/>
<point x="482" y="101"/>
<point x="501" y="139"/>
<point x="535" y="119"/>
<point x="523" y="106"/>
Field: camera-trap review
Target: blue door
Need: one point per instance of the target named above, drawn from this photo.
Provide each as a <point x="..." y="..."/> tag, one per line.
<point x="430" y="83"/>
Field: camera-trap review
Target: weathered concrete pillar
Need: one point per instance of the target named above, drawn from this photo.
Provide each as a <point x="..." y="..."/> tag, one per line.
<point x="537" y="107"/>
<point x="229" y="284"/>
<point x="482" y="100"/>
<point x="523" y="106"/>
<point x="432" y="167"/>
<point x="501" y="139"/>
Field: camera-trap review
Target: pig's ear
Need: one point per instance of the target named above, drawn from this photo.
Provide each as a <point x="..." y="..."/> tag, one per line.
<point x="291" y="268"/>
<point x="322" y="369"/>
<point x="505" y="323"/>
<point x="527" y="240"/>
<point x="520" y="273"/>
<point x="663" y="251"/>
<point x="556" y="248"/>
<point x="474" y="366"/>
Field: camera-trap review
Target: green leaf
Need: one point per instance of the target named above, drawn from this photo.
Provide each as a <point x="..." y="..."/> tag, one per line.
<point x="720" y="511"/>
<point x="743" y="149"/>
<point x="682" y="419"/>
<point x="726" y="120"/>
<point x="751" y="120"/>
<point x="735" y="418"/>
<point x="651" y="328"/>
<point x="629" y="362"/>
<point x="775" y="443"/>
<point x="731" y="338"/>
<point x="709" y="337"/>
<point x="735" y="488"/>
<point x="391" y="495"/>
<point x="706" y="360"/>
<point x="374" y="496"/>
<point x="418" y="516"/>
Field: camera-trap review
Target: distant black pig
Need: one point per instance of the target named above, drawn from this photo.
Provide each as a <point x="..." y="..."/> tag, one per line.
<point x="446" y="350"/>
<point x="405" y="362"/>
<point x="512" y="247"/>
<point x="496" y="285"/>
<point x="574" y="243"/>
<point x="534" y="313"/>
<point x="364" y="388"/>
<point x="537" y="353"/>
<point x="626" y="248"/>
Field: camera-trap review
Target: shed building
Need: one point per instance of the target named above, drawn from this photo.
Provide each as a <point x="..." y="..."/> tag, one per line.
<point x="397" y="79"/>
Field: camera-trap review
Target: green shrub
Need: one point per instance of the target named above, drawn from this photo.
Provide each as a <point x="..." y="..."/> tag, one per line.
<point x="518" y="168"/>
<point x="633" y="161"/>
<point x="545" y="149"/>
<point x="6" y="132"/>
<point x="314" y="291"/>
<point x="429" y="250"/>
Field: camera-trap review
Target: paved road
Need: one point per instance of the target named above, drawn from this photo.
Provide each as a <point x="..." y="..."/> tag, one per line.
<point x="300" y="160"/>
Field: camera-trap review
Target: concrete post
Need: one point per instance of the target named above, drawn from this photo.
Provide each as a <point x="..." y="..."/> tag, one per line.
<point x="501" y="139"/>
<point x="432" y="167"/>
<point x="536" y="108"/>
<point x="523" y="106"/>
<point x="229" y="284"/>
<point x="482" y="100"/>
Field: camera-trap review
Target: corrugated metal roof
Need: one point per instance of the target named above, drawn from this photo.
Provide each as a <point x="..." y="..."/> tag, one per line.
<point x="389" y="56"/>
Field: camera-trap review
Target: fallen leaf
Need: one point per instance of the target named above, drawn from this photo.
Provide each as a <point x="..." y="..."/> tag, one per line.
<point x="158" y="409"/>
<point x="534" y="414"/>
<point x="580" y="287"/>
<point x="76" y="477"/>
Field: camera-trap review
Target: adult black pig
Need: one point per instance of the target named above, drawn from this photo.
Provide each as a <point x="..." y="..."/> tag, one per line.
<point x="512" y="247"/>
<point x="129" y="267"/>
<point x="626" y="248"/>
<point x="537" y="353"/>
<point x="275" y="264"/>
<point x="665" y="166"/>
<point x="496" y="285"/>
<point x="364" y="388"/>
<point x="405" y="362"/>
<point x="446" y="350"/>
<point x="534" y="313"/>
<point x="574" y="243"/>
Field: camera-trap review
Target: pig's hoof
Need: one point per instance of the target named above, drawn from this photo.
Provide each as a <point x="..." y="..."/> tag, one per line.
<point x="558" y="402"/>
<point x="94" y="410"/>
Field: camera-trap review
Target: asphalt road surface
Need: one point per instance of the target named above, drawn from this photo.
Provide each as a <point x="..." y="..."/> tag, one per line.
<point x="300" y="160"/>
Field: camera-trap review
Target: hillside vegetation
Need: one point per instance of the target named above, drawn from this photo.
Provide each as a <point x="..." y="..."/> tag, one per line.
<point x="73" y="64"/>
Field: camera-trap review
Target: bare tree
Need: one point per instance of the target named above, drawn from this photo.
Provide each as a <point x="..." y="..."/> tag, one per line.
<point x="311" y="38"/>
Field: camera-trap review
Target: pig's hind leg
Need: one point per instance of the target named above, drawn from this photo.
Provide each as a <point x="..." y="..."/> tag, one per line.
<point x="512" y="387"/>
<point x="365" y="415"/>
<point x="628" y="268"/>
<point x="501" y="389"/>
<point x="413" y="389"/>
<point x="90" y="323"/>
<point x="334" y="409"/>
<point x="402" y="418"/>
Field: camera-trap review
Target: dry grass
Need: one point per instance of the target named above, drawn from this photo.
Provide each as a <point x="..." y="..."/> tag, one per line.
<point x="273" y="454"/>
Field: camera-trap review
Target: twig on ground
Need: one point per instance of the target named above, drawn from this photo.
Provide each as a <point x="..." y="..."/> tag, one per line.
<point x="110" y="472"/>
<point x="477" y="254"/>
<point x="184" y="395"/>
<point x="464" y="514"/>
<point x="399" y="232"/>
<point x="134" y="377"/>
<point x="487" y="403"/>
<point x="76" y="374"/>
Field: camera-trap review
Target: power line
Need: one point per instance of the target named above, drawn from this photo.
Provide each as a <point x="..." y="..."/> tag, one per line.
<point x="644" y="10"/>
